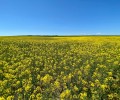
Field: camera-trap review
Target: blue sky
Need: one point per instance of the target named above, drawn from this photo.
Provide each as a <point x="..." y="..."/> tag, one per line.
<point x="59" y="17"/>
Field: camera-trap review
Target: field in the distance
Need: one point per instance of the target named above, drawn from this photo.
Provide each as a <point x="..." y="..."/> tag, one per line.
<point x="60" y="68"/>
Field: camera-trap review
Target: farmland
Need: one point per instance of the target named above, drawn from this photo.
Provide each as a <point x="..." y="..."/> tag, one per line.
<point x="60" y="68"/>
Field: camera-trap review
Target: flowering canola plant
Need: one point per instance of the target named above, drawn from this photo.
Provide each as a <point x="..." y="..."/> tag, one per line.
<point x="60" y="68"/>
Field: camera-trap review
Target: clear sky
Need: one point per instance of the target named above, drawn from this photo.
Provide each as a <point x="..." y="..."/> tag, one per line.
<point x="59" y="17"/>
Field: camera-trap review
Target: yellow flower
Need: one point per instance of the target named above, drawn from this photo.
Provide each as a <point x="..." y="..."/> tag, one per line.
<point x="75" y="96"/>
<point x="92" y="84"/>
<point x="2" y="98"/>
<point x="83" y="95"/>
<point x="110" y="96"/>
<point x="103" y="87"/>
<point x="97" y="81"/>
<point x="65" y="94"/>
<point x="106" y="80"/>
<point x="10" y="97"/>
<point x="38" y="77"/>
<point x="84" y="82"/>
<point x="85" y="89"/>
<point x="32" y="97"/>
<point x="94" y="75"/>
<point x="27" y="88"/>
<point x="18" y="82"/>
<point x="76" y="88"/>
<point x="57" y="84"/>
<point x="39" y="96"/>
<point x="116" y="62"/>
<point x="110" y="78"/>
<point x="19" y="90"/>
<point x="70" y="76"/>
<point x="110" y="73"/>
<point x="47" y="78"/>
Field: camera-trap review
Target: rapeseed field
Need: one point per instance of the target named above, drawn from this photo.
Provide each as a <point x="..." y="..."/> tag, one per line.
<point x="60" y="68"/>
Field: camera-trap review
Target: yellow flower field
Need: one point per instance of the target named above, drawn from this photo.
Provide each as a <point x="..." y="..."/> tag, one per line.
<point x="60" y="68"/>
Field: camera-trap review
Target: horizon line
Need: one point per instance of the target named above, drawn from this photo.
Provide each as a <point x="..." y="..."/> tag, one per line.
<point x="63" y="35"/>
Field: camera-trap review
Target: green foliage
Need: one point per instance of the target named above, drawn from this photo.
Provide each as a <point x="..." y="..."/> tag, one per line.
<point x="65" y="68"/>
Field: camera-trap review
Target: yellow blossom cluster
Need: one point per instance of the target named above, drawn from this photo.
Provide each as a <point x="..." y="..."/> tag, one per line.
<point x="60" y="68"/>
